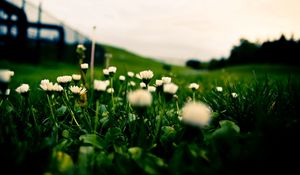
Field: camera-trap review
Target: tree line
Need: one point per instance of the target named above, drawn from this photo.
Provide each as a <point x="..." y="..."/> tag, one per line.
<point x="280" y="51"/>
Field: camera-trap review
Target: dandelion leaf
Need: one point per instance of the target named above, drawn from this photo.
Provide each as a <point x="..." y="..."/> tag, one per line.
<point x="61" y="111"/>
<point x="92" y="139"/>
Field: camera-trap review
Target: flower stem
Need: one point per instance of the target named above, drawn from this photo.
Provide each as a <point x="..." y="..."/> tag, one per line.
<point x="87" y="119"/>
<point x="69" y="108"/>
<point x="177" y="106"/>
<point x="51" y="110"/>
<point x="73" y="116"/>
<point x="1" y="102"/>
<point x="33" y="116"/>
<point x="158" y="124"/>
<point x="112" y="94"/>
<point x="66" y="95"/>
<point x="55" y="130"/>
<point x="194" y="96"/>
<point x="96" y="116"/>
<point x="141" y="130"/>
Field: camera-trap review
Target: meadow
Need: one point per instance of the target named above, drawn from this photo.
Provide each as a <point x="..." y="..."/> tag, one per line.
<point x="236" y="120"/>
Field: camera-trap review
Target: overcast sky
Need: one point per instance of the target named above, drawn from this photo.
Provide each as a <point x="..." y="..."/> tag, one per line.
<point x="179" y="29"/>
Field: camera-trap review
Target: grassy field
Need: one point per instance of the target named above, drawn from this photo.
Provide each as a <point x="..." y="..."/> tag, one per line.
<point x="253" y="131"/>
<point x="127" y="61"/>
<point x="33" y="74"/>
<point x="122" y="59"/>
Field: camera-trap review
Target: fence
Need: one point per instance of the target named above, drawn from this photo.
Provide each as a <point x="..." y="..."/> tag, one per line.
<point x="47" y="37"/>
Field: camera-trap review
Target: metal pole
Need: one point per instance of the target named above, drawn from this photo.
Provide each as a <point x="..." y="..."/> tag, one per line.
<point x="23" y="4"/>
<point x="93" y="55"/>
<point x="38" y="44"/>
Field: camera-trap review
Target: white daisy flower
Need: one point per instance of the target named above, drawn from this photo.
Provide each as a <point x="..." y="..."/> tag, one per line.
<point x="151" y="88"/>
<point x="45" y="81"/>
<point x="138" y="76"/>
<point x="76" y="77"/>
<point x="130" y="74"/>
<point x="158" y="83"/>
<point x="166" y="80"/>
<point x="170" y="88"/>
<point x="122" y="78"/>
<point x="139" y="98"/>
<point x="175" y="96"/>
<point x="143" y="85"/>
<point x="100" y="85"/>
<point x="23" y="88"/>
<point x="5" y="75"/>
<point x="105" y="71"/>
<point x="219" y="89"/>
<point x="77" y="90"/>
<point x="11" y="73"/>
<point x="234" y="95"/>
<point x="81" y="47"/>
<point x="57" y="88"/>
<point x="146" y="74"/>
<point x="196" y="113"/>
<point x="194" y="86"/>
<point x="84" y="66"/>
<point x="110" y="90"/>
<point x="131" y="83"/>
<point x="45" y="85"/>
<point x="64" y="79"/>
<point x="112" y="69"/>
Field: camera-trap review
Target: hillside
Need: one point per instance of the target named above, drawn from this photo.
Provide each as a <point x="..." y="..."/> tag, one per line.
<point x="123" y="59"/>
<point x="126" y="60"/>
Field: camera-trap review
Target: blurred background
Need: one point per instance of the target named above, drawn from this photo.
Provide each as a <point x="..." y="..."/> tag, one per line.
<point x="28" y="34"/>
<point x="203" y="35"/>
<point x="248" y="49"/>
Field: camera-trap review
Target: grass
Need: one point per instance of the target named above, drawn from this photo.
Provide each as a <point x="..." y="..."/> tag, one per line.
<point x="257" y="131"/>
<point x="124" y="60"/>
<point x="33" y="74"/>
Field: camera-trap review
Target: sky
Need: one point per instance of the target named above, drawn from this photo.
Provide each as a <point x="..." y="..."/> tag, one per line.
<point x="176" y="30"/>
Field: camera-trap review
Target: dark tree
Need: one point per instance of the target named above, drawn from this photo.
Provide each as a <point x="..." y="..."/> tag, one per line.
<point x="281" y="51"/>
<point x="217" y="64"/>
<point x="193" y="63"/>
<point x="245" y="52"/>
<point x="167" y="67"/>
